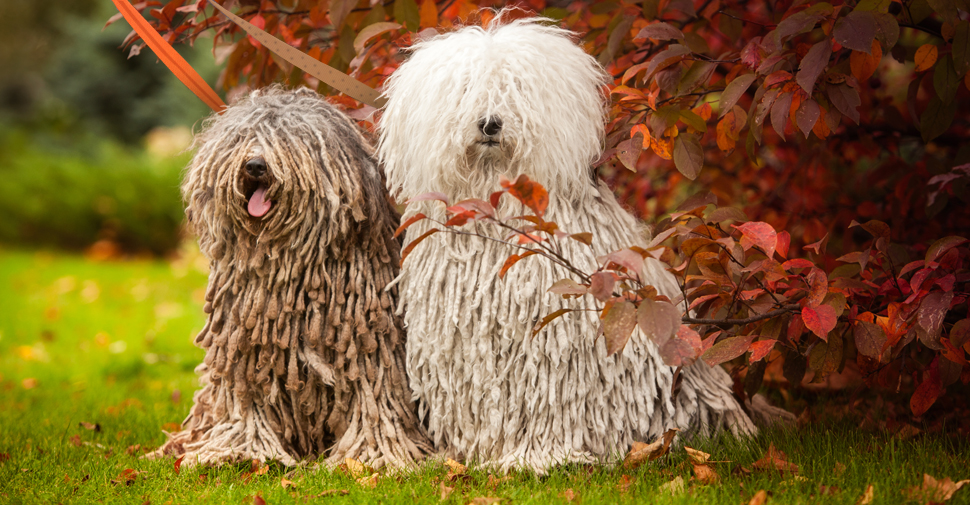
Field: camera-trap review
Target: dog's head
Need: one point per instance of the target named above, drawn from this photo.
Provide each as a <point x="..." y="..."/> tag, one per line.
<point x="511" y="98"/>
<point x="280" y="167"/>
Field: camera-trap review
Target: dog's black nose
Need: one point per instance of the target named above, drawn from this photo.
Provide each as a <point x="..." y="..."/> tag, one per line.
<point x="491" y="126"/>
<point x="256" y="167"/>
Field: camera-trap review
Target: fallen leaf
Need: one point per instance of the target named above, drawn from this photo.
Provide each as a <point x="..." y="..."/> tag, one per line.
<point x="494" y="481"/>
<point x="127" y="477"/>
<point x="569" y="495"/>
<point x="455" y="467"/>
<point x="90" y="426"/>
<point x="775" y="460"/>
<point x="759" y="498"/>
<point x="132" y="449"/>
<point x="370" y="481"/>
<point x="673" y="487"/>
<point x="286" y="483"/>
<point x="641" y="452"/>
<point x="697" y="457"/>
<point x="625" y="482"/>
<point x="178" y="465"/>
<point x="76" y="440"/>
<point x="867" y="496"/>
<point x="333" y="492"/>
<point x="934" y="490"/>
<point x="483" y="500"/>
<point x="828" y="490"/>
<point x="258" y="500"/>
<point x="444" y="491"/>
<point x="705" y="474"/>
<point x="29" y="383"/>
<point x="355" y="468"/>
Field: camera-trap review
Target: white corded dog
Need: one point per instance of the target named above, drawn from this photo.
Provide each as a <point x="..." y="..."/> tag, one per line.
<point x="523" y="98"/>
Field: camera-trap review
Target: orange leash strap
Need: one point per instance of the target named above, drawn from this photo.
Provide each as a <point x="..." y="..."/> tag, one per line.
<point x="172" y="59"/>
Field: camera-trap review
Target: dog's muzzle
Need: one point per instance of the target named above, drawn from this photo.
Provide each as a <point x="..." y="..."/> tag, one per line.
<point x="256" y="182"/>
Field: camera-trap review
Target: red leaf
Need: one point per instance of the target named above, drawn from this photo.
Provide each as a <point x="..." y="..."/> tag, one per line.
<point x="683" y="348"/>
<point x="812" y="66"/>
<point x="869" y="339"/>
<point x="757" y="233"/>
<point x="819" y="287"/>
<point x="618" y="325"/>
<point x="727" y="349"/>
<point x="941" y="246"/>
<point x="411" y="220"/>
<point x="473" y="204"/>
<point x="760" y="349"/>
<point x="821" y="320"/>
<point x="548" y="319"/>
<point x="626" y="258"/>
<point x="601" y="285"/>
<point x="953" y="353"/>
<point x="407" y="249"/>
<point x="495" y="197"/>
<point x="797" y="263"/>
<point x="818" y="247"/>
<point x="658" y="320"/>
<point x="512" y="260"/>
<point x="928" y="391"/>
<point x="783" y="243"/>
<point x="532" y="194"/>
<point x="461" y="218"/>
<point x="178" y="465"/>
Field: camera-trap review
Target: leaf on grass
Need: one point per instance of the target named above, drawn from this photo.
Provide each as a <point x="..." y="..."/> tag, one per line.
<point x="569" y="495"/>
<point x="455" y="467"/>
<point x="775" y="460"/>
<point x="867" y="496"/>
<point x="675" y="486"/>
<point x="625" y="482"/>
<point x="258" y="500"/>
<point x="641" y="452"/>
<point x="370" y="481"/>
<point x="90" y="426"/>
<point x="286" y="483"/>
<point x="333" y="492"/>
<point x="127" y="477"/>
<point x="935" y="491"/>
<point x="178" y="465"/>
<point x="759" y="498"/>
<point x="618" y="325"/>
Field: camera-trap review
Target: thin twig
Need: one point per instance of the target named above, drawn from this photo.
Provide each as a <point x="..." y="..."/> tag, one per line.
<point x="718" y="322"/>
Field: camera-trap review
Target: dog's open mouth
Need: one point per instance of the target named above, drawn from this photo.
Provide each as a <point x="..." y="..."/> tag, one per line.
<point x="259" y="205"/>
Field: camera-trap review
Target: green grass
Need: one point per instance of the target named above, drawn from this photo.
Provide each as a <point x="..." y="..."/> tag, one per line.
<point x="110" y="343"/>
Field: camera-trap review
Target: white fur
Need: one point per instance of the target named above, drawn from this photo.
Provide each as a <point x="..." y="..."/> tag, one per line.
<point x="489" y="391"/>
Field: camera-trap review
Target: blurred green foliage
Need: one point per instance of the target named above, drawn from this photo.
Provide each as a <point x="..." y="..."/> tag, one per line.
<point x="71" y="195"/>
<point x="74" y="112"/>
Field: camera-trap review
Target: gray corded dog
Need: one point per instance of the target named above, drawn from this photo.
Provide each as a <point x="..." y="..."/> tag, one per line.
<point x="304" y="355"/>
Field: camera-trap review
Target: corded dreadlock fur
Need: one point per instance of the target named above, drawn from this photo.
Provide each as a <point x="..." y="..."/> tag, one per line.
<point x="304" y="355"/>
<point x="523" y="98"/>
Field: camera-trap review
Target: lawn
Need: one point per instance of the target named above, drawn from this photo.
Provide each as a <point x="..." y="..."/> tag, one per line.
<point x="96" y="358"/>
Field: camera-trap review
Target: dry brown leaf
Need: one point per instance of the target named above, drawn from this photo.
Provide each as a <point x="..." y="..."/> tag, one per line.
<point x="569" y="495"/>
<point x="625" y="482"/>
<point x="75" y="440"/>
<point x="333" y="492"/>
<point x="455" y="467"/>
<point x="483" y="500"/>
<point x="839" y="469"/>
<point x="673" y="487"/>
<point x="759" y="498"/>
<point x="934" y="490"/>
<point x="356" y="469"/>
<point x="286" y="483"/>
<point x="369" y="481"/>
<point x="90" y="426"/>
<point x="258" y="500"/>
<point x="828" y="490"/>
<point x="775" y="460"/>
<point x="705" y="474"/>
<point x="494" y="481"/>
<point x="641" y="452"/>
<point x="444" y="491"/>
<point x="128" y="476"/>
<point x="697" y="457"/>
<point x="178" y="465"/>
<point x="867" y="496"/>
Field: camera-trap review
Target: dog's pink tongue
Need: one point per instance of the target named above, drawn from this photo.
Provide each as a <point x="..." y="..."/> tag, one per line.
<point x="258" y="204"/>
